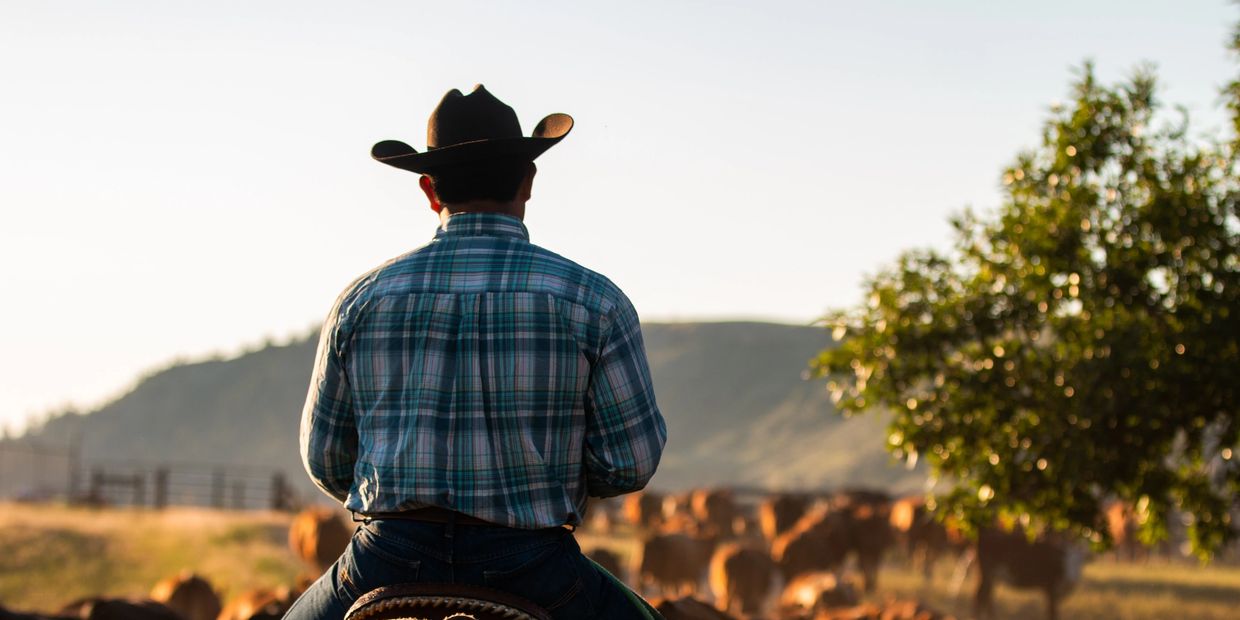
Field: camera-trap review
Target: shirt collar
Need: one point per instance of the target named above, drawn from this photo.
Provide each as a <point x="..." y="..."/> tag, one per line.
<point x="483" y="225"/>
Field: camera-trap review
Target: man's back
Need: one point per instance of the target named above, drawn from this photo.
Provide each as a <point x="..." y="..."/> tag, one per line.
<point x="468" y="396"/>
<point x="486" y="375"/>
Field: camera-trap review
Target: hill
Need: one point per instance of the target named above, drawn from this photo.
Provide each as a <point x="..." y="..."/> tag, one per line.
<point x="737" y="408"/>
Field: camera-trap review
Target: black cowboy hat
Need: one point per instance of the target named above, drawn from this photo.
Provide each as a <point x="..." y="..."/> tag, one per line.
<point x="473" y="127"/>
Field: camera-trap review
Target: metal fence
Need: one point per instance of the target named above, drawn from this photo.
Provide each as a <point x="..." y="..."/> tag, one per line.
<point x="32" y="471"/>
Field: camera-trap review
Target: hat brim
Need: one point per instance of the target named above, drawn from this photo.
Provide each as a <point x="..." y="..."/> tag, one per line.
<point x="547" y="134"/>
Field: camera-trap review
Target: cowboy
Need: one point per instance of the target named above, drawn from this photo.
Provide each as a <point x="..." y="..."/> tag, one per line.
<point x="469" y="395"/>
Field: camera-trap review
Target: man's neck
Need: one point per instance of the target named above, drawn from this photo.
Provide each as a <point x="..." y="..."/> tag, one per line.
<point x="514" y="208"/>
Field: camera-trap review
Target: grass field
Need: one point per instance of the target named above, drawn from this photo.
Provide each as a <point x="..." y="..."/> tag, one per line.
<point x="1157" y="590"/>
<point x="50" y="555"/>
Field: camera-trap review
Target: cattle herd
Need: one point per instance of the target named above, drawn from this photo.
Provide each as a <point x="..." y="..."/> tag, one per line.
<point x="708" y="553"/>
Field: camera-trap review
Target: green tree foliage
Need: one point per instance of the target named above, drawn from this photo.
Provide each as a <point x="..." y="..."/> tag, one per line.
<point x="1081" y="343"/>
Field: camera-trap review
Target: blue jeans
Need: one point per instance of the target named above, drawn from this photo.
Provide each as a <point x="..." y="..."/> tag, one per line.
<point x="545" y="567"/>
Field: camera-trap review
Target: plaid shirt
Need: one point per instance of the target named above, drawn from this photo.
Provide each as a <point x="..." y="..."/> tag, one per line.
<point x="483" y="374"/>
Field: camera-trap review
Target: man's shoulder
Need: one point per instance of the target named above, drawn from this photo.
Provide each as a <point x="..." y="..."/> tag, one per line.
<point x="596" y="286"/>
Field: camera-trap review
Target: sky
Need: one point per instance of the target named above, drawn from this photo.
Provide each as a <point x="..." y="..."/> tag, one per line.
<point x="187" y="179"/>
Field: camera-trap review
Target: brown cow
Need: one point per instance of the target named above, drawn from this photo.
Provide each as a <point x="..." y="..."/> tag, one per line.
<point x="816" y="591"/>
<point x="643" y="509"/>
<point x="778" y="513"/>
<point x="823" y="538"/>
<point x="869" y="529"/>
<point x="9" y="614"/>
<point x="599" y="516"/>
<point x="818" y="542"/>
<point x="677" y="505"/>
<point x="318" y="536"/>
<point x="117" y="609"/>
<point x="742" y="578"/>
<point x="1049" y="563"/>
<point x="922" y="536"/>
<point x="259" y="604"/>
<point x="852" y="498"/>
<point x="684" y="523"/>
<point x="189" y="595"/>
<point x="1123" y="523"/>
<point x="715" y="509"/>
<point x="688" y="608"/>
<point x="607" y="559"/>
<point x="674" y="563"/>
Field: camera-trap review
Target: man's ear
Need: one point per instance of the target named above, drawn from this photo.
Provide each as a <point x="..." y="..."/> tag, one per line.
<point x="527" y="185"/>
<point x="429" y="190"/>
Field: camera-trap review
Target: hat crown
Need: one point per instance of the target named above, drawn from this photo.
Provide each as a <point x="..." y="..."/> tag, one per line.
<point x="469" y="118"/>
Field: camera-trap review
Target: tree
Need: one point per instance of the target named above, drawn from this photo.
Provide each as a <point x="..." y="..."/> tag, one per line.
<point x="1079" y="344"/>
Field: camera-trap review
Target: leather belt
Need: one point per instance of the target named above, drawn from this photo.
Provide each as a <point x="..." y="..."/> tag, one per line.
<point x="431" y="514"/>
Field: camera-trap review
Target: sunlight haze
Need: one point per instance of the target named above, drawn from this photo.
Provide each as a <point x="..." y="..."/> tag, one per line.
<point x="183" y="179"/>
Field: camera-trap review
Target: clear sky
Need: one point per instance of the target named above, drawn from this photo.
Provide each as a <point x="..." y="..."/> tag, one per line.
<point x="182" y="178"/>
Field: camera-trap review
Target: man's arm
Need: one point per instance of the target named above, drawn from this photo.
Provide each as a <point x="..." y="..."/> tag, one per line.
<point x="625" y="432"/>
<point x="328" y="435"/>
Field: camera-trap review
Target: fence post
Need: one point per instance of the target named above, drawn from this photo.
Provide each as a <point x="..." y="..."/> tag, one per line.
<point x="161" y="488"/>
<point x="217" y="489"/>
<point x="139" y="489"/>
<point x="277" y="491"/>
<point x="238" y="498"/>
<point x="75" y="466"/>
<point x="96" y="486"/>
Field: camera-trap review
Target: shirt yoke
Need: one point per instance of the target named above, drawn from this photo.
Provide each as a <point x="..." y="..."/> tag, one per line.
<point x="478" y="265"/>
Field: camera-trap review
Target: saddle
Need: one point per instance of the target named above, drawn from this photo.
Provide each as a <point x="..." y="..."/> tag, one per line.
<point x="442" y="601"/>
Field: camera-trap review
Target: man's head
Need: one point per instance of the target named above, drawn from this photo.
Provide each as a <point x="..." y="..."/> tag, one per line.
<point x="494" y="186"/>
<point x="477" y="158"/>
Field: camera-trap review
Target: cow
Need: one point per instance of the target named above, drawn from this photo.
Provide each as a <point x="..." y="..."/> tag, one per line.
<point x="778" y="513"/>
<point x="683" y="523"/>
<point x="869" y="529"/>
<point x="189" y="595"/>
<point x="816" y="591"/>
<point x="607" y="559"/>
<point x="599" y="516"/>
<point x="677" y="505"/>
<point x="260" y="604"/>
<point x="742" y="578"/>
<point x="824" y="537"/>
<point x="922" y="536"/>
<point x="1049" y="563"/>
<point x="818" y="541"/>
<point x="644" y="509"/>
<point x="688" y="608"/>
<point x="852" y="498"/>
<point x="9" y="614"/>
<point x="318" y="536"/>
<point x="116" y="609"/>
<point x="674" y="563"/>
<point x="715" y="510"/>
<point x="1122" y="525"/>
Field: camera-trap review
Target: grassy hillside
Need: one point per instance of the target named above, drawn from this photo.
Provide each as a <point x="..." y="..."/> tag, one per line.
<point x="738" y="412"/>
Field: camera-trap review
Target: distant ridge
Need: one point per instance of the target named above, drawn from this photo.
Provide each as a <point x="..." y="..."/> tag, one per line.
<point x="737" y="407"/>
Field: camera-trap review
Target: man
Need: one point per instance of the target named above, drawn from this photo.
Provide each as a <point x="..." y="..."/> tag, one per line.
<point x="469" y="395"/>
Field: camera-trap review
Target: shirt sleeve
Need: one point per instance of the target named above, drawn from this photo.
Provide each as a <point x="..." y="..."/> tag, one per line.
<point x="328" y="436"/>
<point x="625" y="433"/>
